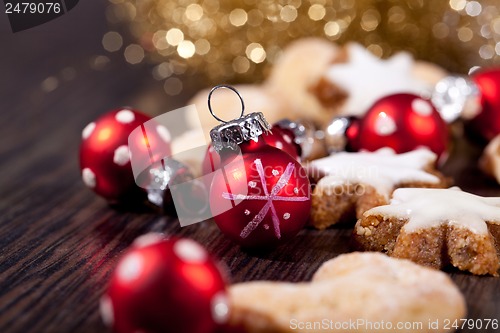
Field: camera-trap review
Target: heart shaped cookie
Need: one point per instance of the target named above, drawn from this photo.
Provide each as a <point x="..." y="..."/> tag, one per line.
<point x="357" y="292"/>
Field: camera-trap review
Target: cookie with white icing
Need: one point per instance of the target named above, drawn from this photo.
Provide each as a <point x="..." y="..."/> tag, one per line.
<point x="301" y="65"/>
<point x="369" y="287"/>
<point x="436" y="228"/>
<point x="351" y="183"/>
<point x="355" y="81"/>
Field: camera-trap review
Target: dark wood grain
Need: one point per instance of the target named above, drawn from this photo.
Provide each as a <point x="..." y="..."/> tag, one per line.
<point x="59" y="242"/>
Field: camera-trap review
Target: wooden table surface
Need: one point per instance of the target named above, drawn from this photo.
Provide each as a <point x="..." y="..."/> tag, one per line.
<point x="59" y="242"/>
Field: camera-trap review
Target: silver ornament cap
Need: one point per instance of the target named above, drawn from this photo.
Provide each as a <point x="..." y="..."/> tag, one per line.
<point x="160" y="177"/>
<point x="335" y="134"/>
<point x="456" y="96"/>
<point x="230" y="134"/>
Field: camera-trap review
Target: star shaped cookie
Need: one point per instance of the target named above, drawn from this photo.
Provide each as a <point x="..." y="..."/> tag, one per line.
<point x="435" y="227"/>
<point x="351" y="183"/>
<point x="364" y="78"/>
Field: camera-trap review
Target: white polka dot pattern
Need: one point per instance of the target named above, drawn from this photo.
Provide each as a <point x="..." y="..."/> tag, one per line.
<point x="88" y="177"/>
<point x="125" y="116"/>
<point x="190" y="251"/>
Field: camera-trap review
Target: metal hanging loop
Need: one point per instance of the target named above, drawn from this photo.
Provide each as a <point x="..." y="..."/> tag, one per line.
<point x="226" y="87"/>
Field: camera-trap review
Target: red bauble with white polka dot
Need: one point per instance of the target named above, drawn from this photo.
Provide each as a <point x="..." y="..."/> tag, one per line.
<point x="164" y="285"/>
<point x="105" y="153"/>
<point x="402" y="122"/>
<point x="487" y="122"/>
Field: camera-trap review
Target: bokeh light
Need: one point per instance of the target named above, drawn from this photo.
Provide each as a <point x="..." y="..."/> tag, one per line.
<point x="239" y="40"/>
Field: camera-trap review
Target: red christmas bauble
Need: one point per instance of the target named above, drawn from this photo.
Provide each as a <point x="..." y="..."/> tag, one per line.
<point x="487" y="123"/>
<point x="261" y="197"/>
<point x="105" y="153"/>
<point x="352" y="135"/>
<point x="165" y="286"/>
<point x="402" y="122"/>
<point x="280" y="138"/>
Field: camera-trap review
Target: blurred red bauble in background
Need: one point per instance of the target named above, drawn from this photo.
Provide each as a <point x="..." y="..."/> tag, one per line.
<point x="283" y="139"/>
<point x="164" y="285"/>
<point x="105" y="153"/>
<point x="487" y="122"/>
<point x="402" y="122"/>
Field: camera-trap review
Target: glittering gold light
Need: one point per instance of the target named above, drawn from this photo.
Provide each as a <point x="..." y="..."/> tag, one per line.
<point x="162" y="71"/>
<point x="458" y="4"/>
<point x="396" y="15"/>
<point x="370" y="20"/>
<point x="241" y="64"/>
<point x="440" y="30"/>
<point x="160" y="40"/>
<point x="134" y="54"/>
<point x="255" y="17"/>
<point x="465" y="34"/>
<point x="486" y="52"/>
<point x="316" y="12"/>
<point x="288" y="13"/>
<point x="473" y="8"/>
<point x="202" y="46"/>
<point x="332" y="29"/>
<point x="49" y="84"/>
<point x="238" y="17"/>
<point x="173" y="86"/>
<point x="256" y="52"/>
<point x="112" y="41"/>
<point x="376" y="49"/>
<point x="186" y="49"/>
<point x="238" y="40"/>
<point x="194" y="12"/>
<point x="174" y="36"/>
<point x="495" y="25"/>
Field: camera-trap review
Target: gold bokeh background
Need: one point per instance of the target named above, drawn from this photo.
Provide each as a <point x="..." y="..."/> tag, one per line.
<point x="238" y="41"/>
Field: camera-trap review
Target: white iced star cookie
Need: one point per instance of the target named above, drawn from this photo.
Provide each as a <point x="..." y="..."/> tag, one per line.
<point x="351" y="183"/>
<point x="355" y="286"/>
<point x="364" y="78"/>
<point x="435" y="227"/>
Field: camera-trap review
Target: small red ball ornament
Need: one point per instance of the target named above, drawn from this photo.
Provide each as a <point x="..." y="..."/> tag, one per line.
<point x="260" y="197"/>
<point x="164" y="285"/>
<point x="486" y="123"/>
<point x="105" y="153"/>
<point x="402" y="122"/>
